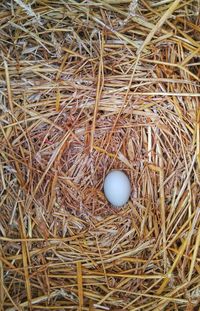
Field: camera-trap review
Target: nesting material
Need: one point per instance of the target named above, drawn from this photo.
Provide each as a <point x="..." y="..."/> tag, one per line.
<point x="87" y="87"/>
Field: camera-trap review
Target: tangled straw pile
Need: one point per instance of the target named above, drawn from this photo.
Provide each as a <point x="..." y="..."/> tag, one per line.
<point x="87" y="86"/>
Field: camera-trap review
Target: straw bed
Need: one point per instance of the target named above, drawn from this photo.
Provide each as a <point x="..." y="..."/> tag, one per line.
<point x="88" y="86"/>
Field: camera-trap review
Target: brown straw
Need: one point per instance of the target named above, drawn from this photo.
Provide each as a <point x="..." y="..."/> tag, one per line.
<point x="85" y="87"/>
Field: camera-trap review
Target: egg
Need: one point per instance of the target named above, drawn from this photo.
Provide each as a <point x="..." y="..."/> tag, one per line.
<point x="117" y="188"/>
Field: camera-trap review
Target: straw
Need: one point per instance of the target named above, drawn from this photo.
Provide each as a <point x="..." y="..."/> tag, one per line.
<point x="87" y="87"/>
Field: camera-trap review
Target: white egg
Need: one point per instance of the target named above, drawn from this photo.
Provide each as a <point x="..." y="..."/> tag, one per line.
<point x="117" y="188"/>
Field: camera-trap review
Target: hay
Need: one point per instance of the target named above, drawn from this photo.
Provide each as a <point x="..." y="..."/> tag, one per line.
<point x="87" y="86"/>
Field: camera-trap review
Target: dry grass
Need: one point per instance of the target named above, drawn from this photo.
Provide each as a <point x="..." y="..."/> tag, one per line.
<point x="87" y="86"/>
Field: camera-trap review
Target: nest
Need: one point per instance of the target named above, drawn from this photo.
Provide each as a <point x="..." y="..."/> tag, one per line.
<point x="86" y="87"/>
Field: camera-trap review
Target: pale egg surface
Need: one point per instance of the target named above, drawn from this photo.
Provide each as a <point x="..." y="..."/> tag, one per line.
<point x="117" y="188"/>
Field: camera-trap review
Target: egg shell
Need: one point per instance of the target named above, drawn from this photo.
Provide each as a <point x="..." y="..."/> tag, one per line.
<point x="117" y="188"/>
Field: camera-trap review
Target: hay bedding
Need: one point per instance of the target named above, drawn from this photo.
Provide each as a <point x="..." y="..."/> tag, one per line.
<point x="87" y="86"/>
